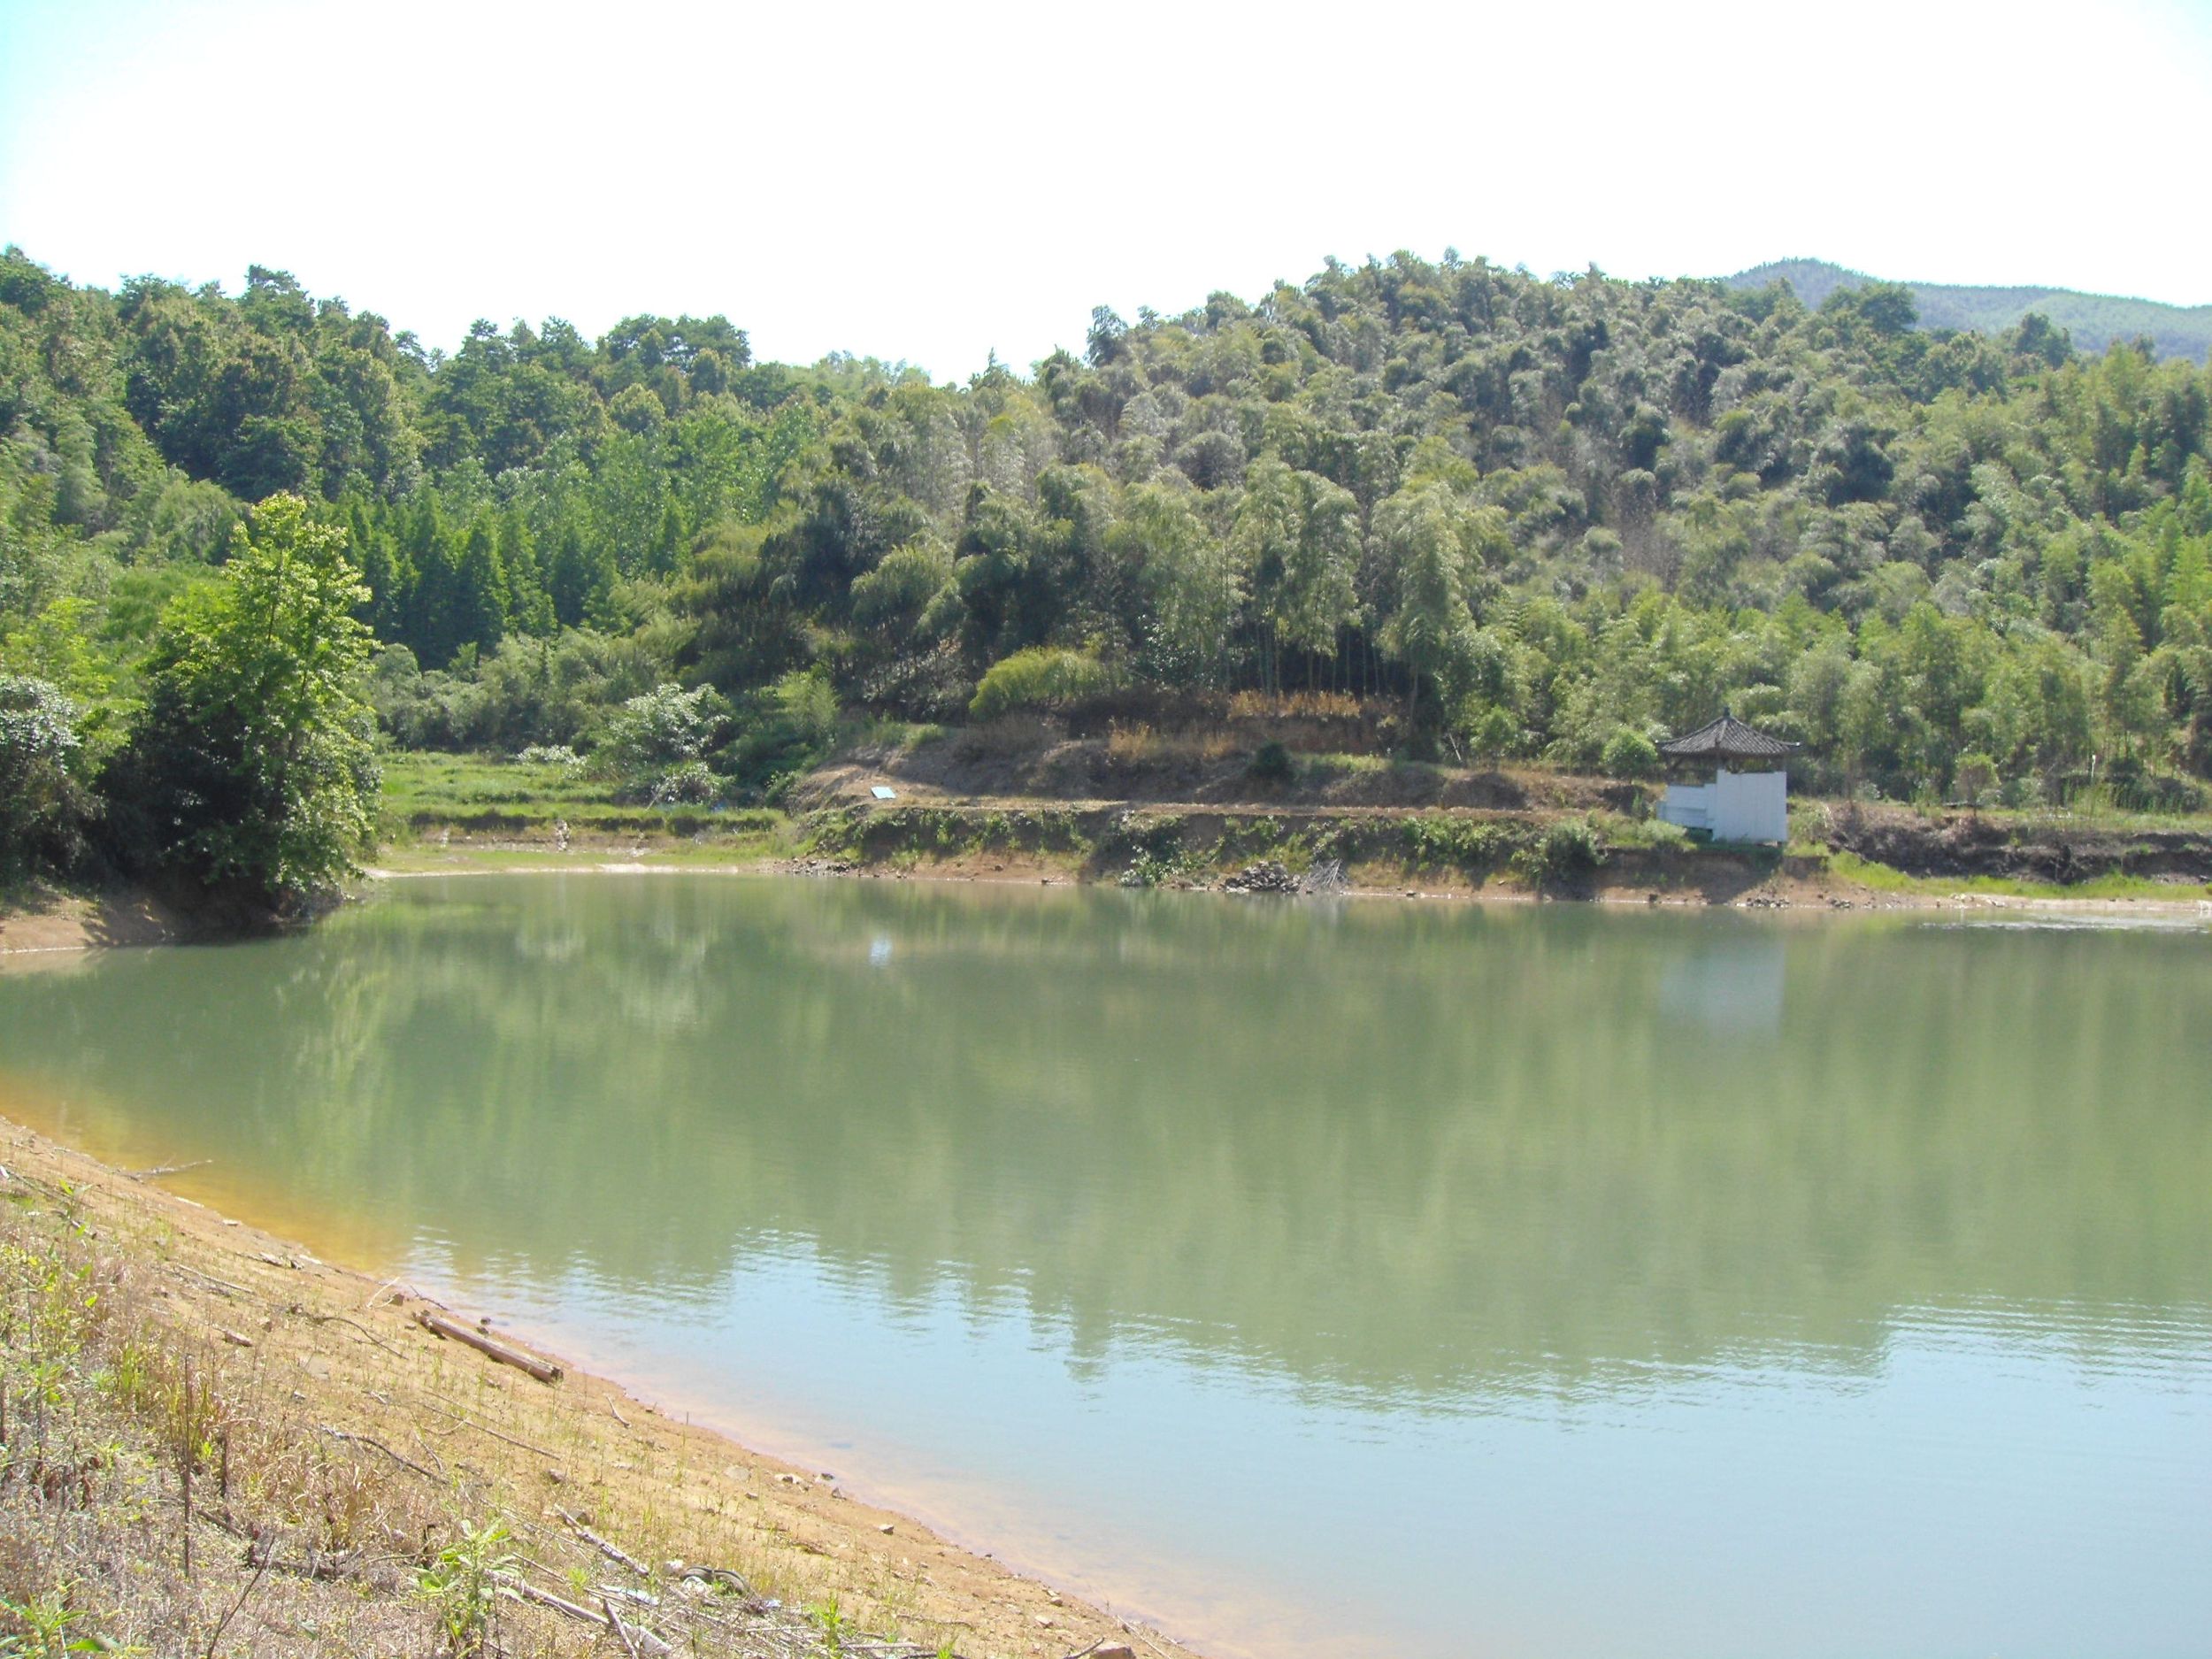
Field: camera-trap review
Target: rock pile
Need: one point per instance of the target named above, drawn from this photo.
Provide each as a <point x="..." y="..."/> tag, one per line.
<point x="1327" y="876"/>
<point x="1268" y="877"/>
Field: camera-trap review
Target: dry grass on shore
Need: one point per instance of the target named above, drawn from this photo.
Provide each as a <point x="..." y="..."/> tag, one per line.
<point x="213" y="1445"/>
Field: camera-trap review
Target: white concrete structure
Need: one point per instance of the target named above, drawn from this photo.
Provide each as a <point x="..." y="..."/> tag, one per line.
<point x="1749" y="806"/>
<point x="1736" y="806"/>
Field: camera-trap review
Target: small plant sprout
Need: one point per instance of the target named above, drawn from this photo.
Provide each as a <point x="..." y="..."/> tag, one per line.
<point x="835" y="1625"/>
<point x="461" y="1583"/>
<point x="47" y="1620"/>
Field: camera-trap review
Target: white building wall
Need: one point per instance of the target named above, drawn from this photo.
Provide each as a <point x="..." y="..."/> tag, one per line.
<point x="1688" y="804"/>
<point x="1752" y="806"/>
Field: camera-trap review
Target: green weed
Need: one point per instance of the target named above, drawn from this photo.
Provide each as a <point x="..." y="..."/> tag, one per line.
<point x="47" y="1620"/>
<point x="1883" y="879"/>
<point x="461" y="1583"/>
<point x="1568" y="848"/>
<point x="1451" y="843"/>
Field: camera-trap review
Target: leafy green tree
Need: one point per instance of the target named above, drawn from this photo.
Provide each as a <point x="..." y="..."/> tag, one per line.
<point x="1433" y="538"/>
<point x="746" y="627"/>
<point x="1629" y="754"/>
<point x="477" y="602"/>
<point x="893" y="599"/>
<point x="40" y="799"/>
<point x="659" y="734"/>
<point x="996" y="576"/>
<point x="1298" y="534"/>
<point x="529" y="604"/>
<point x="60" y="645"/>
<point x="1974" y="777"/>
<point x="637" y="410"/>
<point x="251" y="777"/>
<point x="581" y="578"/>
<point x="1193" y="583"/>
<point x="1040" y="678"/>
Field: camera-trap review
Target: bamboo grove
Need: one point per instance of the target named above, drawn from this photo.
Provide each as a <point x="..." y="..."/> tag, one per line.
<point x="1545" y="518"/>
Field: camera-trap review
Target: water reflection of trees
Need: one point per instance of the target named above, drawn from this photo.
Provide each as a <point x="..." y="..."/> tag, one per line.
<point x="1430" y="1152"/>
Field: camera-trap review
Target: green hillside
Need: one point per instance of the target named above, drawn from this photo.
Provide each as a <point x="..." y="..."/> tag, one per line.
<point x="1478" y="513"/>
<point x="2095" y="321"/>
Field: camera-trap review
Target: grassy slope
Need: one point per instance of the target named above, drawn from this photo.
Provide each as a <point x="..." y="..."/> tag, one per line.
<point x="1857" y="871"/>
<point x="2095" y="320"/>
<point x="497" y="806"/>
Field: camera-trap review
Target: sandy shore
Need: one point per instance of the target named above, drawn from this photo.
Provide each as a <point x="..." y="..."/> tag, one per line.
<point x="700" y="1541"/>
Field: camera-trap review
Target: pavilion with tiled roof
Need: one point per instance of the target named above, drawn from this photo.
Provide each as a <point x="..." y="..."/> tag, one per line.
<point x="1751" y="805"/>
<point x="1725" y="740"/>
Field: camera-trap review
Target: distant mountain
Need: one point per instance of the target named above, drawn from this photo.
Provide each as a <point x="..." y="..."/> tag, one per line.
<point x="2095" y="321"/>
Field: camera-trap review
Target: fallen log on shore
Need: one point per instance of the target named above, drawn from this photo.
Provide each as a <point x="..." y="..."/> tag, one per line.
<point x="544" y="1370"/>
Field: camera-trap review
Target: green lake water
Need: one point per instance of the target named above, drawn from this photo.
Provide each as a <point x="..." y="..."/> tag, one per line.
<point x="1319" y="1278"/>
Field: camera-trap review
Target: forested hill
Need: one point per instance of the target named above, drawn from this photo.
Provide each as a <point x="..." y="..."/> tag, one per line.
<point x="2095" y="321"/>
<point x="1550" y="518"/>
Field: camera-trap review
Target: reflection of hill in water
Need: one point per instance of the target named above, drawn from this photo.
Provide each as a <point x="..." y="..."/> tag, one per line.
<point x="1421" y="1151"/>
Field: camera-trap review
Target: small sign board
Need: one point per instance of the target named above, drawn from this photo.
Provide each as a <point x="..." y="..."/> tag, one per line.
<point x="884" y="792"/>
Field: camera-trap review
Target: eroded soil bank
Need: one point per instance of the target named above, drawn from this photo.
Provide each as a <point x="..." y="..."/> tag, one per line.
<point x="43" y="920"/>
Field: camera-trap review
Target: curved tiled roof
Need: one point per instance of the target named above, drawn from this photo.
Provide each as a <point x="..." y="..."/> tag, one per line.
<point x="1726" y="738"/>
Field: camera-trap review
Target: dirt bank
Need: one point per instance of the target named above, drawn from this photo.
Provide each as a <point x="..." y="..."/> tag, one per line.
<point x="216" y="1444"/>
<point x="1035" y="762"/>
<point x="2054" y="849"/>
<point x="45" y="918"/>
<point x="1183" y="808"/>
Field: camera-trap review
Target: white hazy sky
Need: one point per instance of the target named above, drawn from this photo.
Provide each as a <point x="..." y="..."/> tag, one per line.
<point x="934" y="182"/>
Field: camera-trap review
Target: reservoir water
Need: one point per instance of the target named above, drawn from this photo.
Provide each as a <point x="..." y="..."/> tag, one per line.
<point x="1319" y="1278"/>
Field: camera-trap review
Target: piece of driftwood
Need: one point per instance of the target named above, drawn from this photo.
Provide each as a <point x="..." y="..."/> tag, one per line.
<point x="352" y="1439"/>
<point x="544" y="1370"/>
<point x="223" y="1286"/>
<point x="340" y="1318"/>
<point x="160" y="1170"/>
<point x="613" y="1552"/>
<point x="523" y="1590"/>
<point x="634" y="1638"/>
<point x="621" y="1631"/>
<point x="638" y="1641"/>
<point x="485" y="1428"/>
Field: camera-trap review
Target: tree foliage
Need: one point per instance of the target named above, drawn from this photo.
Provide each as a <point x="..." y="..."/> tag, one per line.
<point x="1544" y="518"/>
<point x="40" y="797"/>
<point x="657" y="739"/>
<point x="251" y="773"/>
<point x="1037" y="681"/>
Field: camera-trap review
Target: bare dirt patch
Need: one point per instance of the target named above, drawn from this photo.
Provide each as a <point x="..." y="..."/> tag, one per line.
<point x="45" y="920"/>
<point x="1033" y="760"/>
